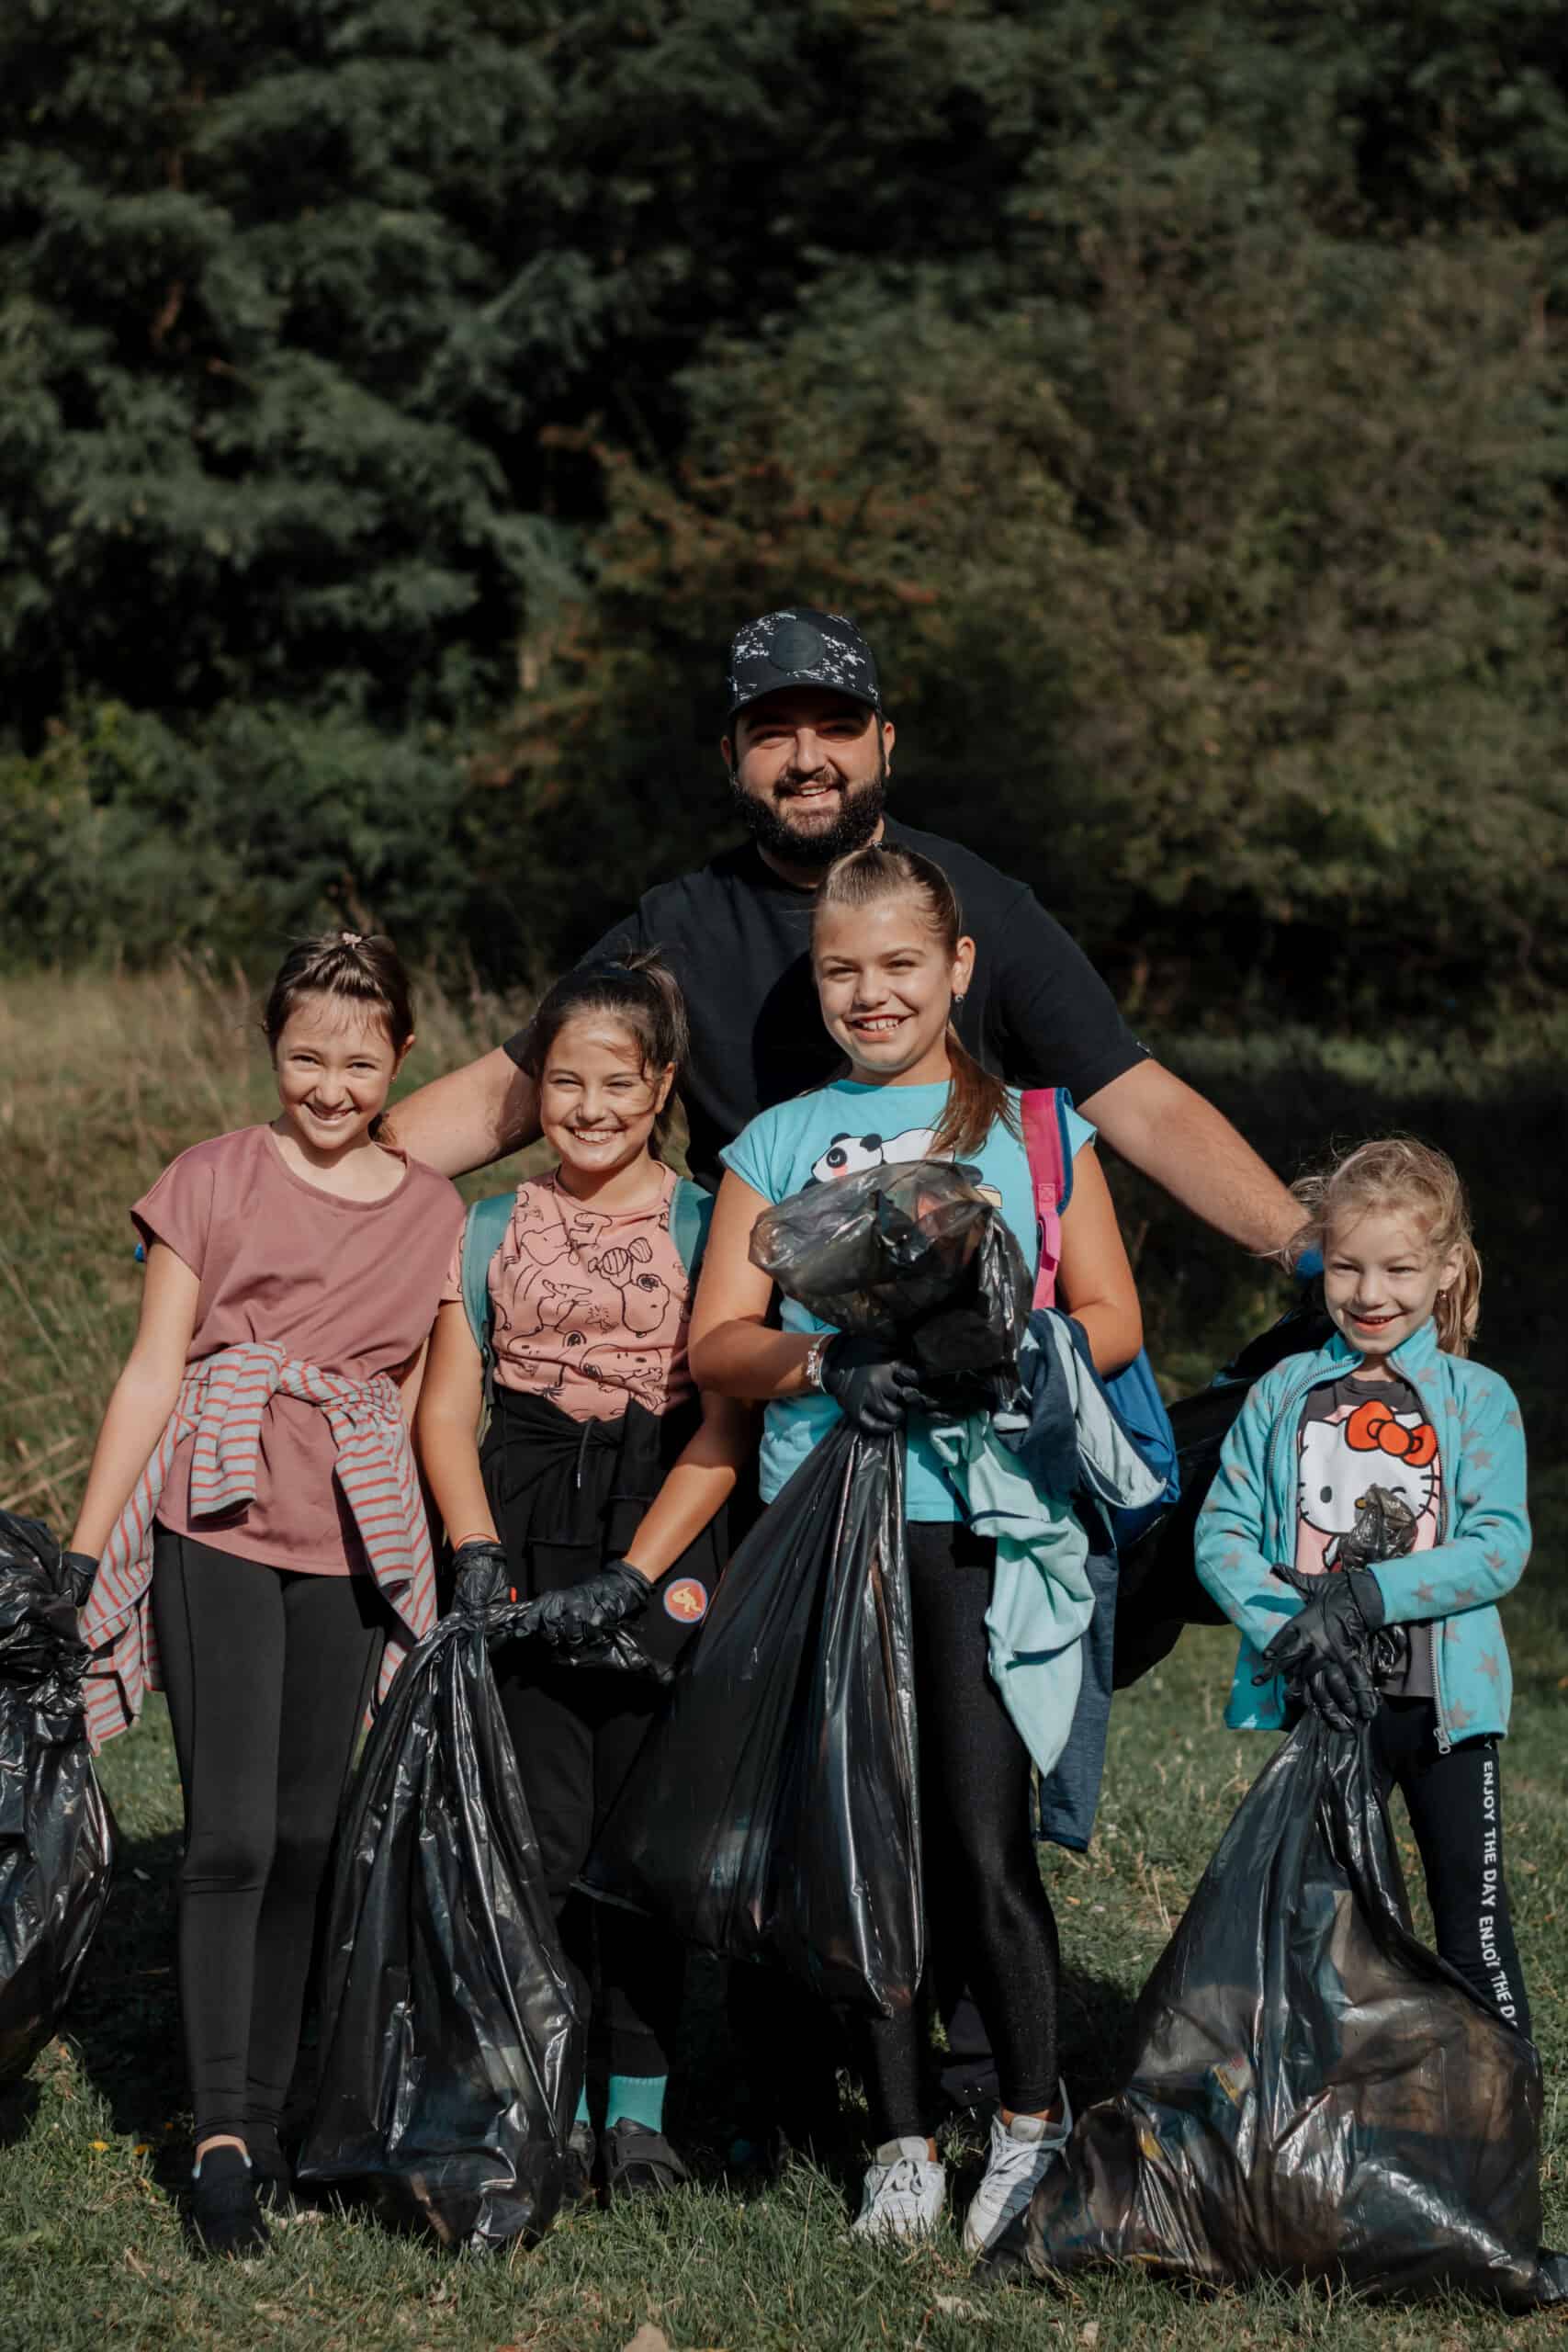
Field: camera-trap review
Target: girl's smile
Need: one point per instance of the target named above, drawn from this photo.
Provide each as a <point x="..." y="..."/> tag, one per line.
<point x="334" y="1071"/>
<point x="597" y="1103"/>
<point x="1380" y="1280"/>
<point x="886" y="985"/>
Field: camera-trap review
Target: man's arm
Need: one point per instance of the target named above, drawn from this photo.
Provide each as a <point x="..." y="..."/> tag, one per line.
<point x="1177" y="1137"/>
<point x="468" y="1118"/>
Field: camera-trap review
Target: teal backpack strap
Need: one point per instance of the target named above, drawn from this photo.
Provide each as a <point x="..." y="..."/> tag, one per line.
<point x="690" y="1214"/>
<point x="484" y="1230"/>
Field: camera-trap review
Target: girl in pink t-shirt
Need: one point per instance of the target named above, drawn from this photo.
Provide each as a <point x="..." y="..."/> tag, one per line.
<point x="252" y="1526"/>
<point x="600" y="1478"/>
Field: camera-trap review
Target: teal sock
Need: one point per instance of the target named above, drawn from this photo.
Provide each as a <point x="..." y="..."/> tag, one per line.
<point x="638" y="2097"/>
<point x="582" y="2115"/>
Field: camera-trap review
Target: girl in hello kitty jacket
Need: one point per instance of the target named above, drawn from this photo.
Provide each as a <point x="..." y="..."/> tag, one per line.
<point x="1391" y="1403"/>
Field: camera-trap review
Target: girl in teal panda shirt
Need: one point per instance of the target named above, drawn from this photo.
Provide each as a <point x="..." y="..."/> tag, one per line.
<point x="890" y="958"/>
<point x="1392" y="1402"/>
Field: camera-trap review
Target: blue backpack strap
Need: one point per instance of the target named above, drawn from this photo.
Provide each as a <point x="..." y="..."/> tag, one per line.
<point x="484" y="1230"/>
<point x="690" y="1214"/>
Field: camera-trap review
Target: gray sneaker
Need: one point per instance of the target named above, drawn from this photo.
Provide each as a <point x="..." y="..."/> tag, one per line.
<point x="903" y="2193"/>
<point x="1022" y="2153"/>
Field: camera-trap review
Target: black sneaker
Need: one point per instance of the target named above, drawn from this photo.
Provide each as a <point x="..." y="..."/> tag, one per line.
<point x="224" y="2216"/>
<point x="639" y="2163"/>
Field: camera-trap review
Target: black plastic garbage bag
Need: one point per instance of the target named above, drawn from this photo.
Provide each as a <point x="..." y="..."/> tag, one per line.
<point x="775" y="1813"/>
<point x="1314" y="2095"/>
<point x="56" y="1832"/>
<point x="1158" y="1591"/>
<point x="451" y="2051"/>
<point x="915" y="1255"/>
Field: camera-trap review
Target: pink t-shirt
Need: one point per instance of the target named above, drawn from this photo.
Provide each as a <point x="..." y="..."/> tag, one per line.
<point x="591" y="1306"/>
<point x="350" y="1286"/>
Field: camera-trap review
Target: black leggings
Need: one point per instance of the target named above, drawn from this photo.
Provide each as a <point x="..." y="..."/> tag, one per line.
<point x="1456" y="1812"/>
<point x="267" y="1674"/>
<point x="982" y="1876"/>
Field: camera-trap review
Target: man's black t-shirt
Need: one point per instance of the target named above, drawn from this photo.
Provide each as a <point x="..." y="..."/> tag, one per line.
<point x="737" y="937"/>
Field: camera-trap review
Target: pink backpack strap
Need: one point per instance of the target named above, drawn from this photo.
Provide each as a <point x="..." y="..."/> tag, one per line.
<point x="1040" y="1110"/>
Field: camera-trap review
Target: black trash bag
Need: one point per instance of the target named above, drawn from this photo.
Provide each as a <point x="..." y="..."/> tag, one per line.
<point x="1158" y="1591"/>
<point x="56" y="1830"/>
<point x="1314" y="2095"/>
<point x="914" y="1255"/>
<point x="774" y="1813"/>
<point x="451" y="2052"/>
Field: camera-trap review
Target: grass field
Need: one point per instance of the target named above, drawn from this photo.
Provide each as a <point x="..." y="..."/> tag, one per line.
<point x="100" y="1083"/>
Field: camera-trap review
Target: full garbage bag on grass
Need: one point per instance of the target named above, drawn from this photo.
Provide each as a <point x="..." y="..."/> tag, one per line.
<point x="56" y="1835"/>
<point x="451" y="2051"/>
<point x="775" y="1813"/>
<point x="1314" y="2095"/>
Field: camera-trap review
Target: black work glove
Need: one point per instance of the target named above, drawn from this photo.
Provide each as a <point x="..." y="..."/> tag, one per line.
<point x="80" y="1568"/>
<point x="872" y="1389"/>
<point x="586" y="1616"/>
<point x="1345" y="1696"/>
<point x="481" y="1581"/>
<point x="1343" y="1611"/>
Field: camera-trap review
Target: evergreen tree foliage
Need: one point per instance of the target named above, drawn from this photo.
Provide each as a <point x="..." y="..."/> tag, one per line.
<point x="400" y="404"/>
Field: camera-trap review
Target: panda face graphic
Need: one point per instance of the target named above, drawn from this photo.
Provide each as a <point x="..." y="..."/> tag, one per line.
<point x="847" y="1155"/>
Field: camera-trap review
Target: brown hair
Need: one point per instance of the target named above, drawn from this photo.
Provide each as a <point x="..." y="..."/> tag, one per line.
<point x="977" y="1100"/>
<point x="1400" y="1175"/>
<point x="638" y="991"/>
<point x="364" y="972"/>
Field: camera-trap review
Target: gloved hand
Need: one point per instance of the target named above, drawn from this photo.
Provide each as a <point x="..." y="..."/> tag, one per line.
<point x="1345" y="1696"/>
<point x="481" y="1579"/>
<point x="586" y="1616"/>
<point x="1342" y="1611"/>
<point x="81" y="1568"/>
<point x="871" y="1388"/>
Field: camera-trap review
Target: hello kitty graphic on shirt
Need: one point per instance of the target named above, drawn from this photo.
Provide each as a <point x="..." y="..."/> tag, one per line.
<point x="1362" y="1442"/>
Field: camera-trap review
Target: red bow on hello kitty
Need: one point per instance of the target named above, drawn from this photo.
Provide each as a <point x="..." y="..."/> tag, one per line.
<point x="1373" y="1428"/>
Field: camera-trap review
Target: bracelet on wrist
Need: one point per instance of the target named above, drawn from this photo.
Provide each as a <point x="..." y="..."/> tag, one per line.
<point x="811" y="1364"/>
<point x="464" y="1541"/>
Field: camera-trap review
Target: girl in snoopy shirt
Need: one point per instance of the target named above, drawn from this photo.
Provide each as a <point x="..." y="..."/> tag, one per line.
<point x="1391" y="1404"/>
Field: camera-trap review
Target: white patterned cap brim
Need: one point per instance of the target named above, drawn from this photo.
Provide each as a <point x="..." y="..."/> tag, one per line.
<point x="802" y="646"/>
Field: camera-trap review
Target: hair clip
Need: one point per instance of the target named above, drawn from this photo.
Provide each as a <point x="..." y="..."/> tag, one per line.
<point x="352" y="938"/>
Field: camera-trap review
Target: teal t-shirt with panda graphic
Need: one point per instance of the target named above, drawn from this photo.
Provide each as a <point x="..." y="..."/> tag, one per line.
<point x="836" y="1131"/>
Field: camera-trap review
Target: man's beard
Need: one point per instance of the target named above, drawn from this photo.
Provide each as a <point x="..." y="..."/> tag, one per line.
<point x="860" y="813"/>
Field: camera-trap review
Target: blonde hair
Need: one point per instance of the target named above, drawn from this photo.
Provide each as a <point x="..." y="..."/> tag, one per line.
<point x="1400" y="1175"/>
<point x="977" y="1099"/>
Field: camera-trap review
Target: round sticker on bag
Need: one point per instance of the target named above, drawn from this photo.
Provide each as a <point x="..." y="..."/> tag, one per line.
<point x="686" y="1600"/>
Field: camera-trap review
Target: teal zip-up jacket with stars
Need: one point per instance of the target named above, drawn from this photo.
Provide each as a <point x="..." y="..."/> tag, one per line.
<point x="1249" y="1523"/>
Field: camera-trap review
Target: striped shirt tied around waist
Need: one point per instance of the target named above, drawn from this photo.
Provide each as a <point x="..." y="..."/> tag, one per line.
<point x="220" y="1404"/>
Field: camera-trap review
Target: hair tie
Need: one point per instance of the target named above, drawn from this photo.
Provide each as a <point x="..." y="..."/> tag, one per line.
<point x="352" y="938"/>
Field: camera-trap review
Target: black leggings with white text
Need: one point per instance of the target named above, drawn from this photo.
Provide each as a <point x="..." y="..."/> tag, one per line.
<point x="1456" y="1811"/>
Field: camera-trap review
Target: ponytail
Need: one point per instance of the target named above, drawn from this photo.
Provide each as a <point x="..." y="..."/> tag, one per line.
<point x="977" y="1101"/>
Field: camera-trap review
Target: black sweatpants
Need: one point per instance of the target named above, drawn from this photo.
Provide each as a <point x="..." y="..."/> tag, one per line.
<point x="1456" y="1812"/>
<point x="568" y="1496"/>
<point x="267" y="1674"/>
<point x="577" y="1732"/>
<point x="982" y="1876"/>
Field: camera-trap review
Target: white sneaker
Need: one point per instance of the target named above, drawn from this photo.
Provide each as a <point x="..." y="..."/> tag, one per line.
<point x="904" y="2193"/>
<point x="1022" y="2153"/>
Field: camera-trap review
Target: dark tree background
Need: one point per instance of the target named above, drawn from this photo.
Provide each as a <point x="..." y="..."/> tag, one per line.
<point x="400" y="403"/>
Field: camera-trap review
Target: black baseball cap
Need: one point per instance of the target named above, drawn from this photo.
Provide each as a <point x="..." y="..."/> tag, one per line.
<point x="801" y="647"/>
